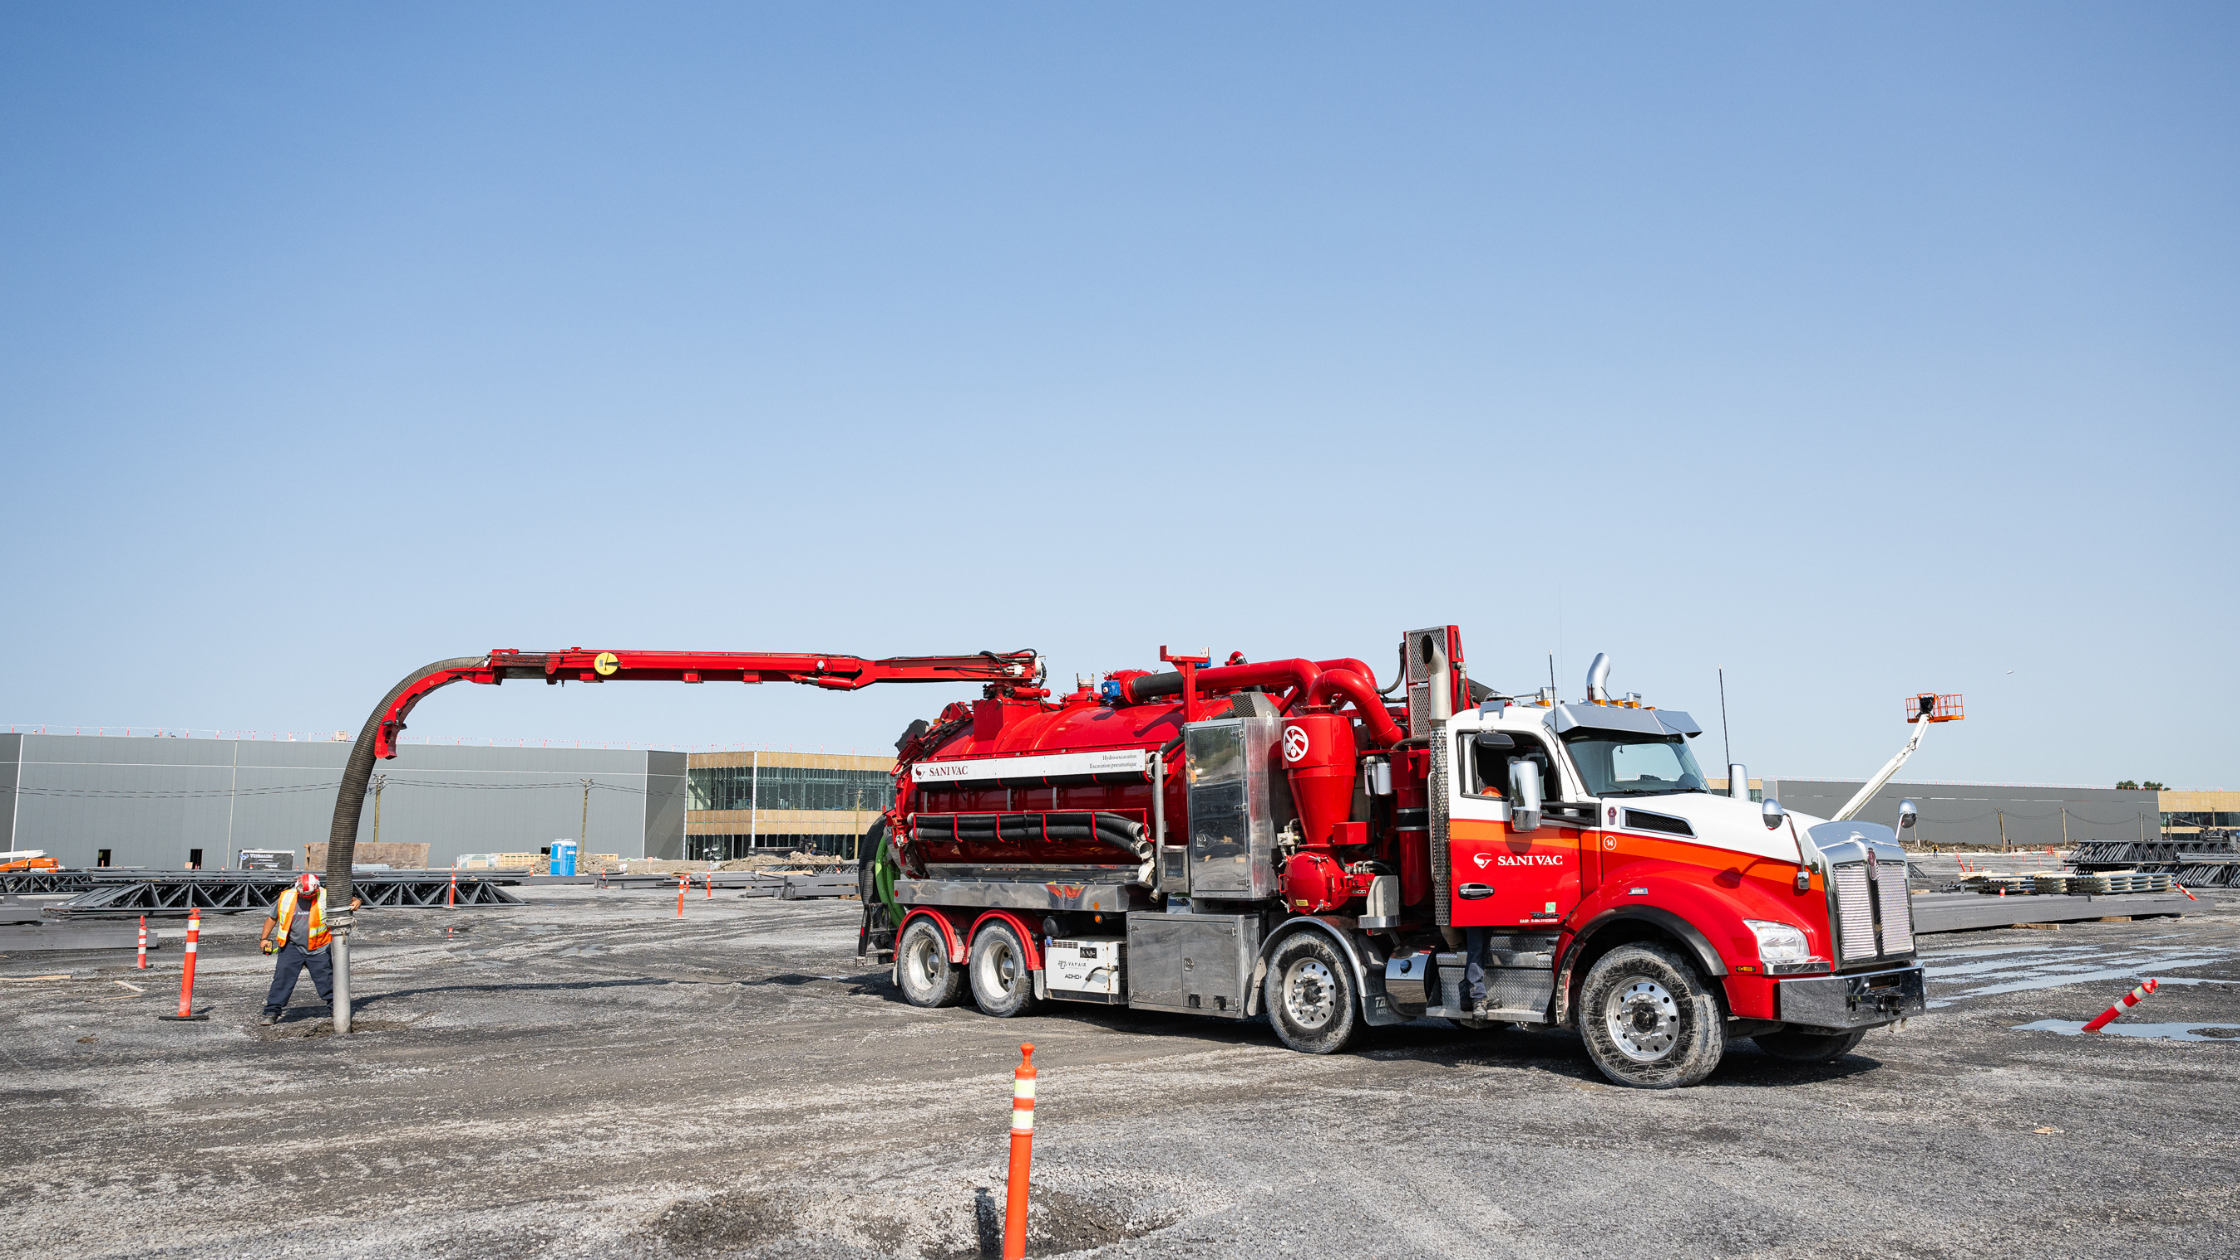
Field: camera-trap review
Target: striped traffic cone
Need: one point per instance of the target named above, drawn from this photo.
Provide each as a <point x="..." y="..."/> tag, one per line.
<point x="186" y="975"/>
<point x="1022" y="1156"/>
<point x="2128" y="1001"/>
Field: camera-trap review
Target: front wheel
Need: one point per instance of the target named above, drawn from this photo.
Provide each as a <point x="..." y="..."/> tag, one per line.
<point x="1804" y="1047"/>
<point x="1001" y="983"/>
<point x="921" y="965"/>
<point x="1310" y="996"/>
<point x="1649" y="1020"/>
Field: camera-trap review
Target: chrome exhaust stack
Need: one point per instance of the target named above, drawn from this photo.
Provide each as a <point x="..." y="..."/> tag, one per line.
<point x="1597" y="675"/>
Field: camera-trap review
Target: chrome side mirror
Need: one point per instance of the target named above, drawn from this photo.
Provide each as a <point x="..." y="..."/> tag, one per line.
<point x="1772" y="812"/>
<point x="1524" y="795"/>
<point x="1908" y="814"/>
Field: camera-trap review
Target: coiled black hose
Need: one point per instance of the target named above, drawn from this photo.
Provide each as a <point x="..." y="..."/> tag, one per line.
<point x="1113" y="829"/>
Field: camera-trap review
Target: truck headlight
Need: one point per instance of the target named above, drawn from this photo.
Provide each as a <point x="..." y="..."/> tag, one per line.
<point x="1779" y="942"/>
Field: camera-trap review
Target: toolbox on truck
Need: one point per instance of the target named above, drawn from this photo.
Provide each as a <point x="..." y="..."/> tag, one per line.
<point x="1200" y="963"/>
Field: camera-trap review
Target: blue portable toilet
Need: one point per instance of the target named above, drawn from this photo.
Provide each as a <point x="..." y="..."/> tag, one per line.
<point x="563" y="857"/>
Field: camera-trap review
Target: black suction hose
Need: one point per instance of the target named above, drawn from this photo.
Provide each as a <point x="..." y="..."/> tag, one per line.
<point x="342" y="834"/>
<point x="357" y="773"/>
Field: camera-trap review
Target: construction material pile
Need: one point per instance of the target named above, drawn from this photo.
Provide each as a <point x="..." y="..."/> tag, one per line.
<point x="2087" y="884"/>
<point x="2210" y="859"/>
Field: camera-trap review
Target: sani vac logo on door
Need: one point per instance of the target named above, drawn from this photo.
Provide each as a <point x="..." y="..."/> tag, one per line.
<point x="1518" y="859"/>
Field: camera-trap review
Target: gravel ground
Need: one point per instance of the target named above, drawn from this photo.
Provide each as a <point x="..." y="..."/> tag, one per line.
<point x="587" y="1076"/>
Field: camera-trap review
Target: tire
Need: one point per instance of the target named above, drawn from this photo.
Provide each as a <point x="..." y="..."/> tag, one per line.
<point x="1804" y="1047"/>
<point x="1310" y="996"/>
<point x="922" y="967"/>
<point x="1649" y="1021"/>
<point x="867" y="890"/>
<point x="1001" y="983"/>
<point x="875" y="933"/>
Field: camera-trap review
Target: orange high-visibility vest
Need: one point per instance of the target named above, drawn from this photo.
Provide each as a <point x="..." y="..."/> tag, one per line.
<point x="285" y="913"/>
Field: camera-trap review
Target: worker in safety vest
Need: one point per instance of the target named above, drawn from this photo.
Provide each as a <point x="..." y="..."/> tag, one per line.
<point x="297" y="932"/>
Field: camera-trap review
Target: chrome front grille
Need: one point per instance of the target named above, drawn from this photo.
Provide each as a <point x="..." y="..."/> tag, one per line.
<point x="1854" y="911"/>
<point x="1866" y="881"/>
<point x="1897" y="909"/>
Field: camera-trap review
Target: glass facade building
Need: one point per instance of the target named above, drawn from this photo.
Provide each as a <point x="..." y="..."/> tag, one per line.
<point x="742" y="803"/>
<point x="790" y="787"/>
<point x="2199" y="819"/>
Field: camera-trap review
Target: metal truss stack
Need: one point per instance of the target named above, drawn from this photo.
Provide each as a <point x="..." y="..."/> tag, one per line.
<point x="2211" y="860"/>
<point x="105" y="894"/>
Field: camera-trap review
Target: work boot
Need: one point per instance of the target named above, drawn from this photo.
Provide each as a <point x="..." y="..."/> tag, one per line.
<point x="269" y="1019"/>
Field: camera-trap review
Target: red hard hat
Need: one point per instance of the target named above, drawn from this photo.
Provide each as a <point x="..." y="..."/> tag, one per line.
<point x="307" y="883"/>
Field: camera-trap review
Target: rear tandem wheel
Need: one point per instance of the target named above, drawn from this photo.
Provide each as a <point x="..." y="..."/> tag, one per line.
<point x="922" y="967"/>
<point x="1001" y="983"/>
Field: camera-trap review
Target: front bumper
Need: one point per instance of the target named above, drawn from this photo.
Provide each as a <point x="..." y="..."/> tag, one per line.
<point x="1864" y="1000"/>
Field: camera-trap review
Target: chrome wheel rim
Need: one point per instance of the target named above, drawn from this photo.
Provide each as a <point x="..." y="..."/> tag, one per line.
<point x="999" y="968"/>
<point x="1310" y="993"/>
<point x="923" y="964"/>
<point x="1643" y="1019"/>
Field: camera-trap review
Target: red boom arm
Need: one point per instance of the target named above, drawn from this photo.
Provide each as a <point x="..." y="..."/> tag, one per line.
<point x="1005" y="670"/>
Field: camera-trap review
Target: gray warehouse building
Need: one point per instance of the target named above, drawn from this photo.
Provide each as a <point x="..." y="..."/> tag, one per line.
<point x="1985" y="815"/>
<point x="91" y="800"/>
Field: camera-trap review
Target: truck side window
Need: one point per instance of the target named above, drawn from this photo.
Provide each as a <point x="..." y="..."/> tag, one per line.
<point x="1489" y="767"/>
<point x="1530" y="749"/>
<point x="1488" y="775"/>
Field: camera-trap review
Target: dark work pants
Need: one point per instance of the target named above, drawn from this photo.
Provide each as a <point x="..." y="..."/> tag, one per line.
<point x="1474" y="970"/>
<point x="291" y="961"/>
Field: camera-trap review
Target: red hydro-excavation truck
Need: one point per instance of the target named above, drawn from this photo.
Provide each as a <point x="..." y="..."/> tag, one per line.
<point x="1276" y="838"/>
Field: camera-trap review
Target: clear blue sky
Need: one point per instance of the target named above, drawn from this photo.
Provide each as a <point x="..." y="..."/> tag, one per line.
<point x="1857" y="349"/>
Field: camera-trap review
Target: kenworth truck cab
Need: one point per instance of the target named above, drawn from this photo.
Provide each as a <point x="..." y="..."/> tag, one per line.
<point x="1278" y="840"/>
<point x="1674" y="918"/>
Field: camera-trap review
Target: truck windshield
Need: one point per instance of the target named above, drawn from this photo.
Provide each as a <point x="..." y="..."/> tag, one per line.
<point x="1617" y="766"/>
